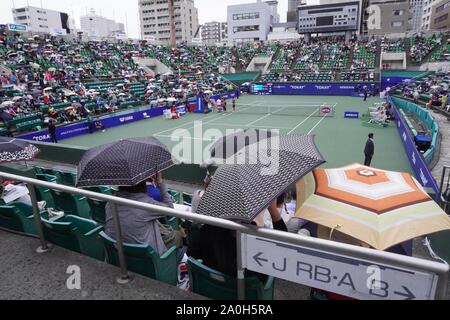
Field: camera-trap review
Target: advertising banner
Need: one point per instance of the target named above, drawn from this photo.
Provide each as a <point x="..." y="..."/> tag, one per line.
<point x="81" y="128"/>
<point x="289" y="88"/>
<point x="109" y="121"/>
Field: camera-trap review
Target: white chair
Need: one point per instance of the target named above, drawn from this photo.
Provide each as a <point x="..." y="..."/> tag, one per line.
<point x="380" y="119"/>
<point x="167" y="114"/>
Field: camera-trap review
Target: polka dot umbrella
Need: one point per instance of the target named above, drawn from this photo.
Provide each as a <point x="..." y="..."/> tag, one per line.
<point x="15" y="150"/>
<point x="123" y="163"/>
<point x="257" y="174"/>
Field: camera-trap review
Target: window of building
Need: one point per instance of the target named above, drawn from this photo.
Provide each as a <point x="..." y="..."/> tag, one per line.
<point x="441" y="18"/>
<point x="443" y="7"/>
<point x="398" y="12"/>
<point x="246" y="28"/>
<point x="246" y="16"/>
<point x="397" y="24"/>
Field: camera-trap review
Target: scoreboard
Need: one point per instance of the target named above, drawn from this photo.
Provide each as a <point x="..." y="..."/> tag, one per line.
<point x="261" y="88"/>
<point x="329" y="17"/>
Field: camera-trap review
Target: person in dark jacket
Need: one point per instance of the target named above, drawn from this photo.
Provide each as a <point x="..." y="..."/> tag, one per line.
<point x="52" y="131"/>
<point x="369" y="150"/>
<point x="217" y="246"/>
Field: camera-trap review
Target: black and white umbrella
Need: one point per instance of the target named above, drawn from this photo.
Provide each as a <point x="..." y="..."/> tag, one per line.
<point x="241" y="191"/>
<point x="123" y="163"/>
<point x="14" y="150"/>
<point x="229" y="145"/>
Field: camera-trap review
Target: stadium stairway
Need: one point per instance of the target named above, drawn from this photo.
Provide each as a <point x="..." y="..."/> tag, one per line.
<point x="378" y="59"/>
<point x="25" y="274"/>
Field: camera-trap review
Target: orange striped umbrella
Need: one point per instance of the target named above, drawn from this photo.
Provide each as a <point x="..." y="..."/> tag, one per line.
<point x="381" y="208"/>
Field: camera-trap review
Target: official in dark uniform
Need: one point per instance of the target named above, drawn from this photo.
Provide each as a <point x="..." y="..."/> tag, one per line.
<point x="369" y="150"/>
<point x="52" y="130"/>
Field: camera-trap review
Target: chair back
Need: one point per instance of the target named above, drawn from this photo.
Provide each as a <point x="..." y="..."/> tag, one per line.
<point x="219" y="286"/>
<point x="143" y="259"/>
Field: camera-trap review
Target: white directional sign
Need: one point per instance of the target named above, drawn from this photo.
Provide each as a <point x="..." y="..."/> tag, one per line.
<point x="360" y="279"/>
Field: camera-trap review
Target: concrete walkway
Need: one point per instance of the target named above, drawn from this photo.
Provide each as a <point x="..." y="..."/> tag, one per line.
<point x="25" y="274"/>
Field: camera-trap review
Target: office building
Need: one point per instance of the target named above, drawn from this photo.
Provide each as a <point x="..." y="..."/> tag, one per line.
<point x="440" y="16"/>
<point x="42" y="20"/>
<point x="97" y="26"/>
<point x="154" y="20"/>
<point x="214" y="32"/>
<point x="250" y="22"/>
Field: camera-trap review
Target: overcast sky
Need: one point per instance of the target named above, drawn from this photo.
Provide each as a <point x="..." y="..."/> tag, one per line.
<point x="126" y="11"/>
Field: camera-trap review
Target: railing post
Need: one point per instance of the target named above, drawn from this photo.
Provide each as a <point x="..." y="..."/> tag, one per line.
<point x="37" y="219"/>
<point x="240" y="269"/>
<point x="124" y="276"/>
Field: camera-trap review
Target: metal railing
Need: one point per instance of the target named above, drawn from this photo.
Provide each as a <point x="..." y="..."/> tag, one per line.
<point x="360" y="253"/>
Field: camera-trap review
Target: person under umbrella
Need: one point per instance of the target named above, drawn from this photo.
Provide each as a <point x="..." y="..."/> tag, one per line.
<point x="242" y="192"/>
<point x="129" y="163"/>
<point x="217" y="246"/>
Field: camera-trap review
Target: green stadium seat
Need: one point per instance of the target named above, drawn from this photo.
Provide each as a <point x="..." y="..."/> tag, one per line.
<point x="216" y="285"/>
<point x="50" y="175"/>
<point x="76" y="234"/>
<point x="68" y="178"/>
<point x="103" y="190"/>
<point x="18" y="217"/>
<point x="439" y="242"/>
<point x="187" y="199"/>
<point x="43" y="193"/>
<point x="97" y="210"/>
<point x="71" y="204"/>
<point x="143" y="260"/>
<point x="176" y="196"/>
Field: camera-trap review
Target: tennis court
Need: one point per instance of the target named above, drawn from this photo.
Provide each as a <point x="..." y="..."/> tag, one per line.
<point x="340" y="140"/>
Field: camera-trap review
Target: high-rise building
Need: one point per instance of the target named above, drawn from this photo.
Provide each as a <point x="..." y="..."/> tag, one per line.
<point x="43" y="20"/>
<point x="250" y="22"/>
<point x="214" y="32"/>
<point x="292" y="9"/>
<point x="273" y="4"/>
<point x="100" y="27"/>
<point x="426" y="13"/>
<point x="392" y="16"/>
<point x="154" y="19"/>
<point x="415" y="11"/>
<point x="440" y="15"/>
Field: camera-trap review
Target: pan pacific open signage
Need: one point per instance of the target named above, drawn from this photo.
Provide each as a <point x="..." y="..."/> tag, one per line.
<point x="341" y="274"/>
<point x="17" y="27"/>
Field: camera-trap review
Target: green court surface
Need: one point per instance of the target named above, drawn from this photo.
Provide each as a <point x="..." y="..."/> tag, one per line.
<point x="340" y="140"/>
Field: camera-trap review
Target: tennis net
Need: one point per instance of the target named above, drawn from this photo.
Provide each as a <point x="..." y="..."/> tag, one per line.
<point x="291" y="110"/>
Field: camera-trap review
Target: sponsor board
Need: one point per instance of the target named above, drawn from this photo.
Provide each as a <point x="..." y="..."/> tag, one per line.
<point x="278" y="88"/>
<point x="109" y="121"/>
<point x="351" y="115"/>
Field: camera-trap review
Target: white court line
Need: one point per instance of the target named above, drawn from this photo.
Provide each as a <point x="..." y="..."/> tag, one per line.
<point x="184" y="137"/>
<point x="326" y="114"/>
<point x="243" y="126"/>
<point x="259" y="119"/>
<point x="304" y="120"/>
<point x="192" y="122"/>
